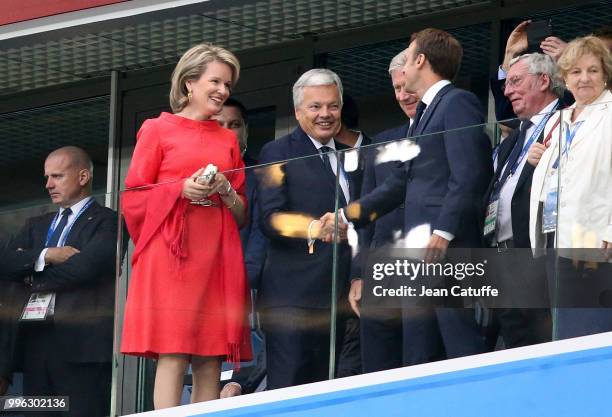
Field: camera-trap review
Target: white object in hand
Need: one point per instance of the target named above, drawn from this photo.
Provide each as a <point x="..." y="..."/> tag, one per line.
<point x="209" y="173"/>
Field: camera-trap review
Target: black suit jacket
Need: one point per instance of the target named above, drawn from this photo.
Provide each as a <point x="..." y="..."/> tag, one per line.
<point x="444" y="185"/>
<point x="519" y="208"/>
<point x="291" y="276"/>
<point x="84" y="284"/>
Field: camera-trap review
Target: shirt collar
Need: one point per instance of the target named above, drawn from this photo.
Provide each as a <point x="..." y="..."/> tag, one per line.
<point x="537" y="118"/>
<point x="76" y="208"/>
<point x="331" y="144"/>
<point x="432" y="91"/>
<point x="359" y="139"/>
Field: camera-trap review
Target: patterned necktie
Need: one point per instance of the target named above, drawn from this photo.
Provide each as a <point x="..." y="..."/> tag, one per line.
<point x="324" y="150"/>
<point x="61" y="225"/>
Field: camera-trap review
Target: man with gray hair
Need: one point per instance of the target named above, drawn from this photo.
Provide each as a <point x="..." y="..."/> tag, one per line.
<point x="381" y="326"/>
<point x="295" y="291"/>
<point x="533" y="86"/>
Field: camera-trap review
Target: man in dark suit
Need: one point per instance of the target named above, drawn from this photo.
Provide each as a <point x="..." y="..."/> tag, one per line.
<point x="296" y="287"/>
<point x="381" y="326"/>
<point x="441" y="187"/>
<point x="233" y="116"/>
<point x="533" y="86"/>
<point x="352" y="137"/>
<point x="67" y="259"/>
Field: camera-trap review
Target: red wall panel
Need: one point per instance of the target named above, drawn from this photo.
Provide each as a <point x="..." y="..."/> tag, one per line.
<point x="12" y="11"/>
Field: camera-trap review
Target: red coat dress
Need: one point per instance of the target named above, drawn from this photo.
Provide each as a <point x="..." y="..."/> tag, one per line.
<point x="188" y="291"/>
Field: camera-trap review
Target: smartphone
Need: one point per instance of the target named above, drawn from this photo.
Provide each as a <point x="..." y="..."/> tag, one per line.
<point x="208" y="175"/>
<point x="536" y="33"/>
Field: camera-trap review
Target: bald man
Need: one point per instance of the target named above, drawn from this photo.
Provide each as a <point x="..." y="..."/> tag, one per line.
<point x="66" y="260"/>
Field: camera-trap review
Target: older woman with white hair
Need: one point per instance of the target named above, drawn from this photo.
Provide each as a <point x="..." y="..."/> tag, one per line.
<point x="571" y="197"/>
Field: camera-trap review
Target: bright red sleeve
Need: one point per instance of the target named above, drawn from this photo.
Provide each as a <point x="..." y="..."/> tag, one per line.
<point x="147" y="205"/>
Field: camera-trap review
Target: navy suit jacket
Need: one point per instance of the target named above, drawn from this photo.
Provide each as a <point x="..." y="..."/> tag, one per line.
<point x="445" y="184"/>
<point x="291" y="276"/>
<point x="84" y="284"/>
<point x="254" y="243"/>
<point x="382" y="230"/>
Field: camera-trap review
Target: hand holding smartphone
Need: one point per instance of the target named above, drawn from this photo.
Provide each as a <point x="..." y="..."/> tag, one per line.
<point x="536" y="33"/>
<point x="208" y="175"/>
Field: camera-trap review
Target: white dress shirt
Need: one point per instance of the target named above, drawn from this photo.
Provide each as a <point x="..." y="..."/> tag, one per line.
<point x="432" y="92"/>
<point x="359" y="139"/>
<point x="39" y="265"/>
<point x="344" y="185"/>
<point x="503" y="227"/>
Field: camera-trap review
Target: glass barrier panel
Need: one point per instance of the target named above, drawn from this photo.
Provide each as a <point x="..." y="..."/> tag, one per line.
<point x="198" y="285"/>
<point x="57" y="302"/>
<point x="484" y="290"/>
<point x="424" y="247"/>
<point x="574" y="179"/>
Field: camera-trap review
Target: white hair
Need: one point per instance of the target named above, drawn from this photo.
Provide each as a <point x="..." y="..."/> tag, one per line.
<point x="398" y="62"/>
<point x="543" y="64"/>
<point x="313" y="78"/>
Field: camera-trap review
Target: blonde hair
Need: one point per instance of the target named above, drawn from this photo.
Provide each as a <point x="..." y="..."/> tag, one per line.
<point x="192" y="65"/>
<point x="579" y="47"/>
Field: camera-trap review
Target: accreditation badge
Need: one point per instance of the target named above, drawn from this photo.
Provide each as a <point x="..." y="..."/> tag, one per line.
<point x="39" y="307"/>
<point x="549" y="214"/>
<point x="491" y="217"/>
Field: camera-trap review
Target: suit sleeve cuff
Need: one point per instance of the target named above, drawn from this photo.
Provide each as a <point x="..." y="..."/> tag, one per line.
<point x="39" y="265"/>
<point x="443" y="234"/>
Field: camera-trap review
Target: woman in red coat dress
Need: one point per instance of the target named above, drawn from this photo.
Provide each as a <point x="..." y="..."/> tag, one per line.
<point x="187" y="295"/>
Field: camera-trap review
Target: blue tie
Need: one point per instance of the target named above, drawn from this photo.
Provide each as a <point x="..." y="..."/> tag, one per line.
<point x="61" y="225"/>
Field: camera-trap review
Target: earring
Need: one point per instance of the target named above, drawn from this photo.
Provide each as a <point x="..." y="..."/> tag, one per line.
<point x="189" y="95"/>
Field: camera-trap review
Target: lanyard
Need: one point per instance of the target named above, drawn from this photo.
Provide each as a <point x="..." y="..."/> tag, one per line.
<point x="68" y="227"/>
<point x="536" y="133"/>
<point x="569" y="137"/>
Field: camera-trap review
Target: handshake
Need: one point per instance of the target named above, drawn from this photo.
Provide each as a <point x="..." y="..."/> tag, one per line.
<point x="325" y="230"/>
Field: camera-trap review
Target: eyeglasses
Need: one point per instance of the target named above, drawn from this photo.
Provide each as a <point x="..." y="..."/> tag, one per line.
<point x="515" y="82"/>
